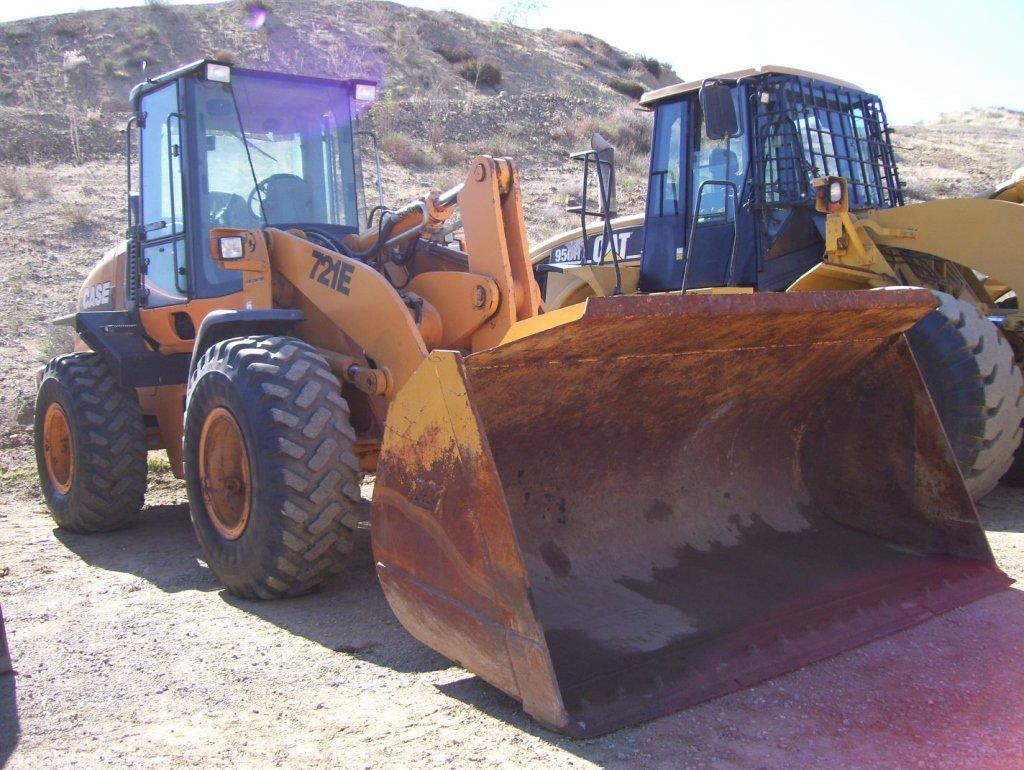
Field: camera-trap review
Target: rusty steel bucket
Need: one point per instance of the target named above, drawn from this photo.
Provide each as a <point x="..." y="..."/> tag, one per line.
<point x="631" y="507"/>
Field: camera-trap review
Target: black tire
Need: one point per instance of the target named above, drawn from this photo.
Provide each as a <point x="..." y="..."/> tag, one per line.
<point x="976" y="385"/>
<point x="296" y="431"/>
<point x="108" y="438"/>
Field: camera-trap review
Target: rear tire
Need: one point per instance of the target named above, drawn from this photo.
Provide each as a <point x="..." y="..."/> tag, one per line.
<point x="272" y="479"/>
<point x="90" y="443"/>
<point x="976" y="385"/>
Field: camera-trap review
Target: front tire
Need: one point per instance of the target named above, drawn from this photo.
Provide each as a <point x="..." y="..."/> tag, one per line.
<point x="976" y="385"/>
<point x="90" y="442"/>
<point x="272" y="478"/>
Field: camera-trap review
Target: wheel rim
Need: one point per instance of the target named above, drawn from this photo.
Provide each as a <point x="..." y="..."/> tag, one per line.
<point x="224" y="473"/>
<point x="58" y="448"/>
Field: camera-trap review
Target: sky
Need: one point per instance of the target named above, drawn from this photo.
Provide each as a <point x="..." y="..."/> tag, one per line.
<point x="923" y="57"/>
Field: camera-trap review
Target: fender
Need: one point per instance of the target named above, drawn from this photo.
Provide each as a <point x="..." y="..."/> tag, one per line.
<point x="984" y="235"/>
<point x="219" y="325"/>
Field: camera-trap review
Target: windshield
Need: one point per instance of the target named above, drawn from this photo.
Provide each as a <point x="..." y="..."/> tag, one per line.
<point x="279" y="153"/>
<point x="807" y="129"/>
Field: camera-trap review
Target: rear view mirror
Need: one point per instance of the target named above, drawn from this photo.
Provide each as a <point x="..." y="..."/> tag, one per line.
<point x="719" y="111"/>
<point x="606" y="169"/>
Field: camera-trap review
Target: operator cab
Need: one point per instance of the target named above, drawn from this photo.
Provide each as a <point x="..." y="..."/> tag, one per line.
<point x="221" y="146"/>
<point x="730" y="198"/>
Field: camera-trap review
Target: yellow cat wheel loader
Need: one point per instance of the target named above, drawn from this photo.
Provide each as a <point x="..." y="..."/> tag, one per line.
<point x="780" y="180"/>
<point x="608" y="511"/>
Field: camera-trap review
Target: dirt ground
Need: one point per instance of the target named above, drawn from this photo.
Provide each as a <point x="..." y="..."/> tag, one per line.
<point x="129" y="655"/>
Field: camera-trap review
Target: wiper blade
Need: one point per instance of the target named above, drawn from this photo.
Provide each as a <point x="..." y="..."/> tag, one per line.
<point x="264" y="153"/>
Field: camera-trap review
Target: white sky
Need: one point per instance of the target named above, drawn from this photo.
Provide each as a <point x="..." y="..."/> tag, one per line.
<point x="923" y="57"/>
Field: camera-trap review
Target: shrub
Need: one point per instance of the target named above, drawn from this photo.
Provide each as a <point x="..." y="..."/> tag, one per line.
<point x="572" y="39"/>
<point x="76" y="213"/>
<point x="653" y="66"/>
<point x="623" y="62"/>
<point x="226" y="55"/>
<point x="12" y="184"/>
<point x="452" y="54"/>
<point x="18" y="184"/>
<point x="630" y="88"/>
<point x="40" y="184"/>
<point x="480" y="72"/>
<point x="69" y="26"/>
<point x="628" y="130"/>
<point x="404" y="151"/>
<point x="54" y="341"/>
<point x="453" y="154"/>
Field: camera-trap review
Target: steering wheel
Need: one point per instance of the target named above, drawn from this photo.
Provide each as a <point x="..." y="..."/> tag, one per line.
<point x="322" y="238"/>
<point x="262" y="190"/>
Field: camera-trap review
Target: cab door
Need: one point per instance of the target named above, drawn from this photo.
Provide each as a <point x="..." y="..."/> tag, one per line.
<point x="164" y="247"/>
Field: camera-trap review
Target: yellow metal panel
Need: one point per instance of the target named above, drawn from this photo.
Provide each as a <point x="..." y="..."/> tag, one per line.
<point x="544" y="322"/>
<point x="985" y="235"/>
<point x="543" y="250"/>
<point x="827" y="276"/>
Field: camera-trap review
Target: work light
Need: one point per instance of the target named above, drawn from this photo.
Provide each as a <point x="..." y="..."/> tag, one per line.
<point x="230" y="247"/>
<point x="218" y="73"/>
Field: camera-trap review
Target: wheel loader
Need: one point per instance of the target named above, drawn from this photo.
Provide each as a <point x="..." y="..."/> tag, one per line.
<point x="608" y="511"/>
<point x="781" y="180"/>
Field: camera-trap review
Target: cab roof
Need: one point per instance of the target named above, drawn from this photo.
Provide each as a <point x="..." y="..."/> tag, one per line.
<point x="151" y="84"/>
<point x="652" y="97"/>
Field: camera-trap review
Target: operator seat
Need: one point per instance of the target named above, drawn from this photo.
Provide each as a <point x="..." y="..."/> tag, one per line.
<point x="288" y="198"/>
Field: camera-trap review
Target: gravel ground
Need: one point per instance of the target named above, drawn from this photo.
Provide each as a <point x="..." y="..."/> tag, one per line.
<point x="129" y="655"/>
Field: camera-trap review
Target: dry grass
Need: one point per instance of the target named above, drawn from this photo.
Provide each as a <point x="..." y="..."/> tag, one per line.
<point x="12" y="184"/>
<point x="453" y="54"/>
<point x="18" y="184"/>
<point x="453" y="154"/>
<point x="405" y="151"/>
<point x="627" y="129"/>
<point x="54" y="341"/>
<point x="226" y="55"/>
<point x="76" y="214"/>
<point x="572" y="39"/>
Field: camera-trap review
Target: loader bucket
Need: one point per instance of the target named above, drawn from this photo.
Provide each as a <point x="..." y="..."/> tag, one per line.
<point x="654" y="500"/>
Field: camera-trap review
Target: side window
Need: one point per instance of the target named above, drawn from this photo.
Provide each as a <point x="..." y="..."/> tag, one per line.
<point x="784" y="177"/>
<point x="163" y="210"/>
<point x="717" y="164"/>
<point x="665" y="191"/>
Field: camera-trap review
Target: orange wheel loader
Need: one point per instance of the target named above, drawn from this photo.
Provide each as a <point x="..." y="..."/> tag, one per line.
<point x="608" y="511"/>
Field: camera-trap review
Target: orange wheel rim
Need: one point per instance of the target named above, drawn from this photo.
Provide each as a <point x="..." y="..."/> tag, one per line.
<point x="58" y="448"/>
<point x="224" y="473"/>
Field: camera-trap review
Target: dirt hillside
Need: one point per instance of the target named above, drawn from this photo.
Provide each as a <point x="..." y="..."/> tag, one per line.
<point x="128" y="653"/>
<point x="63" y="92"/>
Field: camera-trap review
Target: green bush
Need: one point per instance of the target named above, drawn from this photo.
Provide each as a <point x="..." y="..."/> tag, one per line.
<point x="630" y="88"/>
<point x="653" y="66"/>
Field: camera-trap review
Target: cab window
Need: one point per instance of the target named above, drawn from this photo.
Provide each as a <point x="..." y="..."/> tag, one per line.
<point x="163" y="211"/>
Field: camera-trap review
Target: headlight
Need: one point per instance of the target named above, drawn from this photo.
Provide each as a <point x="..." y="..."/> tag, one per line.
<point x="218" y="73"/>
<point x="366" y="92"/>
<point x="230" y="247"/>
